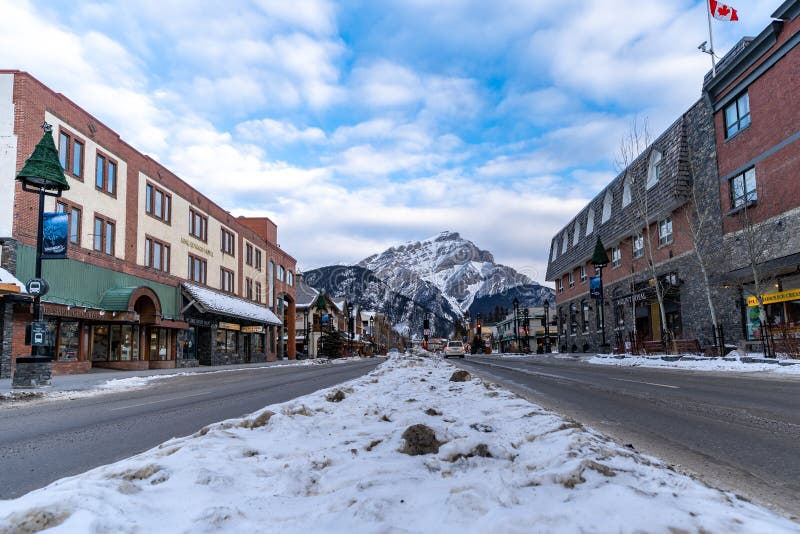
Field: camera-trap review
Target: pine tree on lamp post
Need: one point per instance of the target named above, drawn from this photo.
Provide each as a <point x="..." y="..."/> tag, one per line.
<point x="42" y="174"/>
<point x="600" y="260"/>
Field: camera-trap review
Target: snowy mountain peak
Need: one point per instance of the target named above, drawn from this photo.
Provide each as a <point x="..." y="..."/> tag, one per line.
<point x="455" y="266"/>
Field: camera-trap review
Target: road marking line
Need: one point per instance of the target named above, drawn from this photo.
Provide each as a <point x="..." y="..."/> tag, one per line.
<point x="648" y="383"/>
<point x="156" y="402"/>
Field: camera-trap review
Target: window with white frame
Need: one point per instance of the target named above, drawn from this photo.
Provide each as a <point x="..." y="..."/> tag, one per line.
<point x="616" y="256"/>
<point x="665" y="231"/>
<point x="560" y="285"/>
<point x="654" y="168"/>
<point x="583" y="273"/>
<point x="638" y="245"/>
<point x="555" y="251"/>
<point x="737" y="115"/>
<point x="609" y="198"/>
<point x="626" y="190"/>
<point x="571" y="280"/>
<point x="590" y="221"/>
<point x="743" y="188"/>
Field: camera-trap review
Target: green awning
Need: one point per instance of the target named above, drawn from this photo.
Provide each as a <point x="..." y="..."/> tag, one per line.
<point x="117" y="299"/>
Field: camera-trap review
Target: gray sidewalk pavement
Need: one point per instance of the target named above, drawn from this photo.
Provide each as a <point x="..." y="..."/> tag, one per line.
<point x="97" y="376"/>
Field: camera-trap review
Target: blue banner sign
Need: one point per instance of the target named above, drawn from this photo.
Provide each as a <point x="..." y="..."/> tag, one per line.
<point x="594" y="287"/>
<point x="54" y="236"/>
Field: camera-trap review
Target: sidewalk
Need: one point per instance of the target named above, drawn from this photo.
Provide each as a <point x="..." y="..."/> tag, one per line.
<point x="98" y="376"/>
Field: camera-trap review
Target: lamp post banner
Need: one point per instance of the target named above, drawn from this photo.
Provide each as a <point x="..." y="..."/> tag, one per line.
<point x="594" y="287"/>
<point x="55" y="231"/>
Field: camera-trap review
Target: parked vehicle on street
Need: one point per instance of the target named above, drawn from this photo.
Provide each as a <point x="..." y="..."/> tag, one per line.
<point x="454" y="348"/>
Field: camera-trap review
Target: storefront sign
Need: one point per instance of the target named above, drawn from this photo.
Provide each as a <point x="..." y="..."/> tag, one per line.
<point x="79" y="312"/>
<point x="771" y="298"/>
<point x="54" y="236"/>
<point x="253" y="329"/>
<point x="228" y="326"/>
<point x="195" y="246"/>
<point x="194" y="321"/>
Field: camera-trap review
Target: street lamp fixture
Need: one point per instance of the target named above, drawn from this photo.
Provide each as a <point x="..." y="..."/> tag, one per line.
<point x="547" y="347"/>
<point x="42" y="174"/>
<point x="516" y="321"/>
<point x="600" y="260"/>
<point x="306" y="341"/>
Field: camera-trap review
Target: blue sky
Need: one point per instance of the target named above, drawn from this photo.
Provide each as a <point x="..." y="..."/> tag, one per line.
<point x="357" y="125"/>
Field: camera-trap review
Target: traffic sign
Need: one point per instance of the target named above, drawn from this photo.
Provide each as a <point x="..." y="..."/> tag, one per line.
<point x="40" y="335"/>
<point x="38" y="287"/>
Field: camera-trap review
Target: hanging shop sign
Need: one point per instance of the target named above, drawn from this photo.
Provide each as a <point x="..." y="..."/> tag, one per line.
<point x="253" y="329"/>
<point x="55" y="230"/>
<point x="594" y="287"/>
<point x="772" y="298"/>
<point x="228" y="326"/>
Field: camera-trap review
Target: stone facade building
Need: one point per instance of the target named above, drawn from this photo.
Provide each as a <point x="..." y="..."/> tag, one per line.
<point x="646" y="214"/>
<point x="156" y="273"/>
<point x="720" y="187"/>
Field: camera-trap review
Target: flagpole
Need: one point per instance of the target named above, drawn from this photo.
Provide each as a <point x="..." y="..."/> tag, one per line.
<point x="711" y="40"/>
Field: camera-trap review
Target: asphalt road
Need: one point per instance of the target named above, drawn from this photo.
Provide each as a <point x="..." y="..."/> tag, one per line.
<point x="735" y="431"/>
<point x="40" y="443"/>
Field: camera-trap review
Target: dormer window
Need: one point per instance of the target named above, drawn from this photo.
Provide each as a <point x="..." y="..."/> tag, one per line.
<point x="626" y="191"/>
<point x="590" y="222"/>
<point x="607" y="206"/>
<point x="576" y="234"/>
<point x="654" y="168"/>
<point x="554" y="255"/>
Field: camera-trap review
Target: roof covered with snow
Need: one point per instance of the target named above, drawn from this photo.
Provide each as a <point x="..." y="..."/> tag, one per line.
<point x="305" y="295"/>
<point x="8" y="278"/>
<point x="215" y="302"/>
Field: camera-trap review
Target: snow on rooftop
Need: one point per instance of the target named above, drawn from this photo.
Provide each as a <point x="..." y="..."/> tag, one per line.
<point x="230" y="305"/>
<point x="8" y="278"/>
<point x="315" y="465"/>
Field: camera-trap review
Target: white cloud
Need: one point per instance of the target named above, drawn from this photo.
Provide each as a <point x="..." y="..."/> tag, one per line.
<point x="272" y="132"/>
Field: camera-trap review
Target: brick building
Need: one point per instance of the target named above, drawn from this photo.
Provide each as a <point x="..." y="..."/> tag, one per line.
<point x="156" y="274"/>
<point x="733" y="158"/>
<point x="757" y="121"/>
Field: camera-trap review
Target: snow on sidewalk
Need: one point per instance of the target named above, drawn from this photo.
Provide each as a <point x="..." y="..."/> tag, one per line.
<point x="323" y="463"/>
<point x="696" y="363"/>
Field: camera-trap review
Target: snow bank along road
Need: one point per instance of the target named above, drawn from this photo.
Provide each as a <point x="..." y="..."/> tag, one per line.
<point x="739" y="431"/>
<point x="42" y="442"/>
<point x="479" y="459"/>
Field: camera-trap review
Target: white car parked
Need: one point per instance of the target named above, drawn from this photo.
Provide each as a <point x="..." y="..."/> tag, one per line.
<point x="454" y="348"/>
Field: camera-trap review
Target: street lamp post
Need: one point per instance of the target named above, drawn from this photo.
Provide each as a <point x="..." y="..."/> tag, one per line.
<point x="42" y="174"/>
<point x="372" y="333"/>
<point x="516" y="321"/>
<point x="525" y="324"/>
<point x="600" y="260"/>
<point x="306" y="341"/>
<point x="547" y="347"/>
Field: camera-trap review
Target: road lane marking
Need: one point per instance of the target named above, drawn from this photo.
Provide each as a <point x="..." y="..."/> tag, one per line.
<point x="157" y="401"/>
<point x="648" y="383"/>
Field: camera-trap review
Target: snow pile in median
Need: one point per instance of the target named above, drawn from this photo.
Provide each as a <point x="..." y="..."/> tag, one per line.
<point x="696" y="364"/>
<point x="336" y="461"/>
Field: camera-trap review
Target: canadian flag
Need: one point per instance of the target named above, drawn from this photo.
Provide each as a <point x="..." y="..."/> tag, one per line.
<point x="722" y="12"/>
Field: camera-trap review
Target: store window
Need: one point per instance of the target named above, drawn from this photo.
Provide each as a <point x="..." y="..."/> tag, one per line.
<point x="258" y="343"/>
<point x="69" y="335"/>
<point x="160" y="344"/>
<point x="585" y="315"/>
<point x="99" y="342"/>
<point x="226" y="340"/>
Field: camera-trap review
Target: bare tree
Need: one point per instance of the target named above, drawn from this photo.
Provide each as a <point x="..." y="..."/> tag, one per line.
<point x="631" y="146"/>
<point x="753" y="242"/>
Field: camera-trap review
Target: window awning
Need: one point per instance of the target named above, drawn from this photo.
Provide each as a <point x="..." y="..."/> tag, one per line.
<point x="208" y="300"/>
